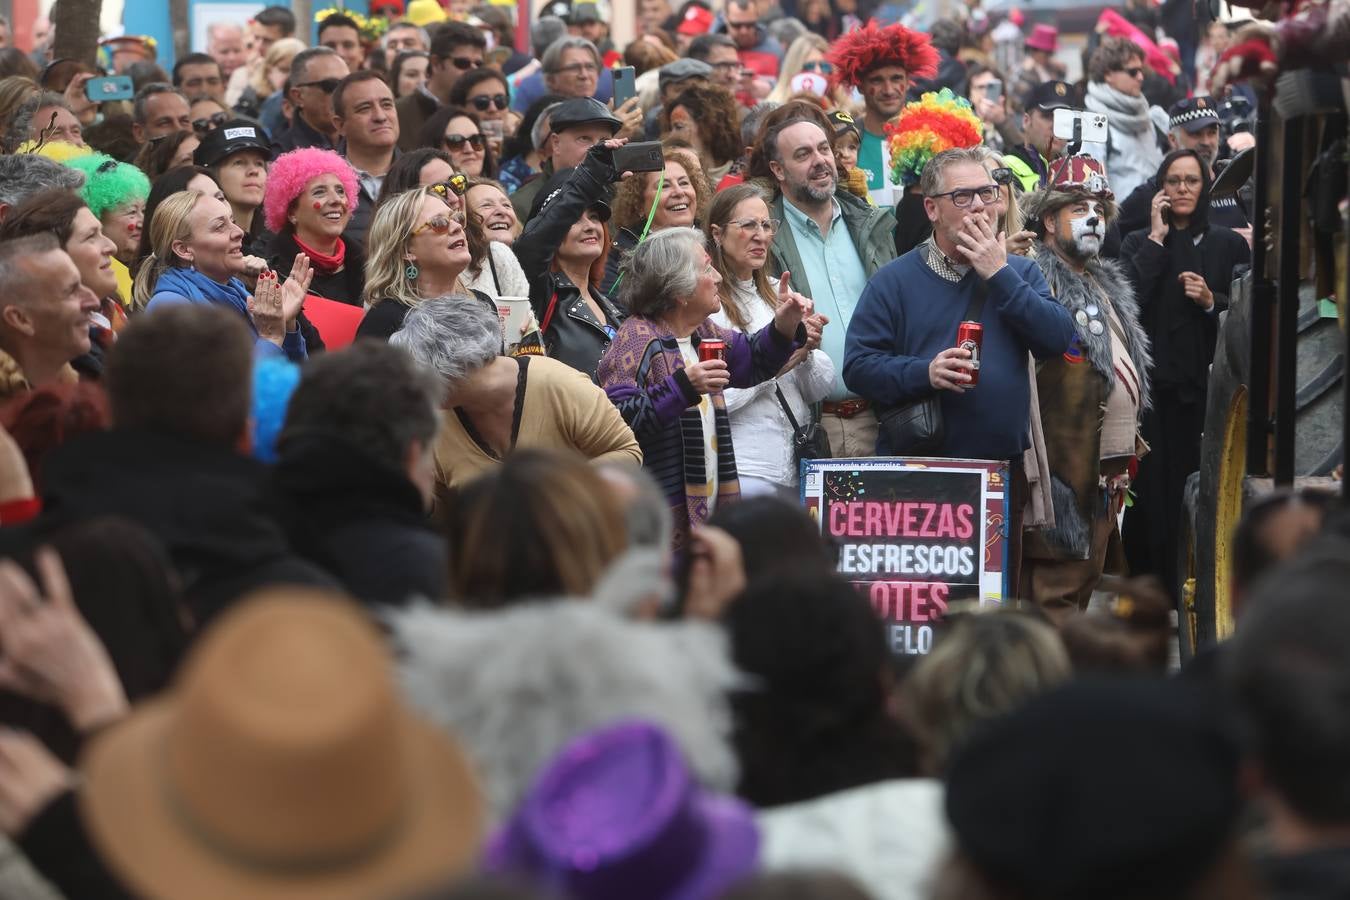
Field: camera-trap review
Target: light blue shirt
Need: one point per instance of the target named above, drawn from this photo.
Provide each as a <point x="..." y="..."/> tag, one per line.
<point x="834" y="277"/>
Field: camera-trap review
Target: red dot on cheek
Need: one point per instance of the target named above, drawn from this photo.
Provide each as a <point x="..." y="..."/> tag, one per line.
<point x="317" y="206"/>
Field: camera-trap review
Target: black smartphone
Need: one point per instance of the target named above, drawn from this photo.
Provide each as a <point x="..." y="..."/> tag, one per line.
<point x="644" y="156"/>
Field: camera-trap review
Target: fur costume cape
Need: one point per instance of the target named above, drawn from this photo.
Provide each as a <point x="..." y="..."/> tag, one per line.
<point x="1074" y="496"/>
<point x="860" y="51"/>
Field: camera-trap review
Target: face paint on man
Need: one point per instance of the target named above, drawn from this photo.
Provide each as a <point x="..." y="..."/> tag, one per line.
<point x="1081" y="229"/>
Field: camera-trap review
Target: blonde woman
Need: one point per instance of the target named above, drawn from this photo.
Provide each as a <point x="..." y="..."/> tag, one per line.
<point x="416" y="249"/>
<point x="1011" y="221"/>
<point x="196" y="256"/>
<point x="806" y="54"/>
<point x="266" y="81"/>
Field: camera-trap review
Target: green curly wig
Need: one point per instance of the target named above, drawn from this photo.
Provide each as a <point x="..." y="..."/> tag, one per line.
<point x="108" y="183"/>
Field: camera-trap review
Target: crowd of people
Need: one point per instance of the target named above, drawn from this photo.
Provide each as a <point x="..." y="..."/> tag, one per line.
<point x="400" y="446"/>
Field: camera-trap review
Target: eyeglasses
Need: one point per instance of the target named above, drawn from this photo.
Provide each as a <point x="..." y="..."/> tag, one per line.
<point x="578" y="68"/>
<point x="1192" y="182"/>
<point x="768" y="226"/>
<point x="818" y="65"/>
<point x="483" y="101"/>
<point x="963" y="197"/>
<point x="457" y="141"/>
<point x="211" y="123"/>
<point x="438" y="225"/>
<point x="465" y="63"/>
<point x="1133" y="71"/>
<point x="327" y="85"/>
<point x="456" y="184"/>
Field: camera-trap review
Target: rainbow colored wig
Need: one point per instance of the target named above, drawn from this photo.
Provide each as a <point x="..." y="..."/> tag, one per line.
<point x="864" y="49"/>
<point x="109" y="184"/>
<point x="925" y="128"/>
<point x="290" y="172"/>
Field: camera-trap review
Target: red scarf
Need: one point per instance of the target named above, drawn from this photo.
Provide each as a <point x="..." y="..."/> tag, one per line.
<point x="321" y="261"/>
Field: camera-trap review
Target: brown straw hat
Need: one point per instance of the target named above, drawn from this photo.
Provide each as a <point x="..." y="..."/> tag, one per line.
<point x="281" y="764"/>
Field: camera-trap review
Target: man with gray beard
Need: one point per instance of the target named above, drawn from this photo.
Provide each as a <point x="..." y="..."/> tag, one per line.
<point x="1091" y="397"/>
<point x="831" y="242"/>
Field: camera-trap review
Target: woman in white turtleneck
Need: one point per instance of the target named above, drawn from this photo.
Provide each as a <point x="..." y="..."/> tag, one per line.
<point x="739" y="225"/>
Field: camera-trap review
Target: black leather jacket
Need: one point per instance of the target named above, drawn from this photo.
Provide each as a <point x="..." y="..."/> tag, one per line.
<point x="573" y="335"/>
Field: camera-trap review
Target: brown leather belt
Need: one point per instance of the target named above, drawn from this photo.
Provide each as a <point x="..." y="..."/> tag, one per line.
<point x="845" y="409"/>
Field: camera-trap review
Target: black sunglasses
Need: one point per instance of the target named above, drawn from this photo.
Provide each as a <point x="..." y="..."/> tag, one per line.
<point x="1003" y="176"/>
<point x="1134" y="72"/>
<point x="482" y="102"/>
<point x="464" y="63"/>
<point x="327" y="85"/>
<point x="203" y="126"/>
<point x="455" y="141"/>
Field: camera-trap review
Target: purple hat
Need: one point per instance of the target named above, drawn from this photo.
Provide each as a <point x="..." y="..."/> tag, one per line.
<point x="615" y="815"/>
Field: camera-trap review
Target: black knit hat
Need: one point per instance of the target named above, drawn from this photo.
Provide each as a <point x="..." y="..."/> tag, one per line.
<point x="1100" y="789"/>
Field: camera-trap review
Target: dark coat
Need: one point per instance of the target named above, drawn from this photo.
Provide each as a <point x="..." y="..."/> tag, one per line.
<point x="386" y="316"/>
<point x="571" y="333"/>
<point x="208" y="505"/>
<point x="1072" y="397"/>
<point x="344" y="285"/>
<point x="413" y="111"/>
<point x="356" y="517"/>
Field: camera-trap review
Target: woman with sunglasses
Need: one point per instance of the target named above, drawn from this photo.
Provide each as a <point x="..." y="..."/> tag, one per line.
<point x="807" y="54"/>
<point x="563" y="250"/>
<point x="417" y="249"/>
<point x="456" y="131"/>
<point x="1116" y="89"/>
<point x="484" y="92"/>
<point x="684" y="195"/>
<point x="741" y="231"/>
<point x="1182" y="267"/>
<point x="423" y="168"/>
<point x="207" y="114"/>
<point x="309" y="199"/>
<point x="408" y="72"/>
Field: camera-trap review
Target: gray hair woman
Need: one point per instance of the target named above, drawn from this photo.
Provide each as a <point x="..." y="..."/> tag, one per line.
<point x="669" y="363"/>
<point x="500" y="403"/>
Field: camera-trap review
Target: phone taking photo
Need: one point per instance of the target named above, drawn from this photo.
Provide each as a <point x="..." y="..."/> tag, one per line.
<point x="625" y="85"/>
<point x="993" y="91"/>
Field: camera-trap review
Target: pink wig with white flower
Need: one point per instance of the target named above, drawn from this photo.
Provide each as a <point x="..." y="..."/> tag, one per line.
<point x="290" y="172"/>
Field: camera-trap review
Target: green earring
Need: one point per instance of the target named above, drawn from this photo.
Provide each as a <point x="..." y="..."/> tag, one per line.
<point x="411" y="272"/>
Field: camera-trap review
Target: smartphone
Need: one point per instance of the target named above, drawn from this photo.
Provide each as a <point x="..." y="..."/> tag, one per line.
<point x="993" y="91"/>
<point x="1093" y="125"/>
<point x="644" y="156"/>
<point x="625" y="85"/>
<point x="114" y="87"/>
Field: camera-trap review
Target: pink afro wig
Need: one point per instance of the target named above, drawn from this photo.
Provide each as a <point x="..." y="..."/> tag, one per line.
<point x="290" y="172"/>
<point x="864" y="49"/>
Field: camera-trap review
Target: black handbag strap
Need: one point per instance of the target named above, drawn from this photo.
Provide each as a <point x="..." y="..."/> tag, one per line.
<point x="787" y="409"/>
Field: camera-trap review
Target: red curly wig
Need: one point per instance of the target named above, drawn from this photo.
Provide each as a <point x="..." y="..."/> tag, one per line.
<point x="859" y="52"/>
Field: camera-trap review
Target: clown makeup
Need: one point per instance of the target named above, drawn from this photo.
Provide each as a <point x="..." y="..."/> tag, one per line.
<point x="1081" y="228"/>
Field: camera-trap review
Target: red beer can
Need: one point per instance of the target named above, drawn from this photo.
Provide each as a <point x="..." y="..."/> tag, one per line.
<point x="712" y="348"/>
<point x="970" y="336"/>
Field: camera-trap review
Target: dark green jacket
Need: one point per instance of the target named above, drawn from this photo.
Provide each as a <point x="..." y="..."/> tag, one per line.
<point x="872" y="229"/>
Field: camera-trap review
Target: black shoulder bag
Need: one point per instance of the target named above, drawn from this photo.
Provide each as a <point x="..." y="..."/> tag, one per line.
<point x="809" y="441"/>
<point x="917" y="429"/>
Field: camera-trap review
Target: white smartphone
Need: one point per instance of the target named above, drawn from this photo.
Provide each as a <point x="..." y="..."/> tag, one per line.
<point x="1094" y="126"/>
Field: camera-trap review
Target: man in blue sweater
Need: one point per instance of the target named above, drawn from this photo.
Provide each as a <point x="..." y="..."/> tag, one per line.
<point x="901" y="343"/>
